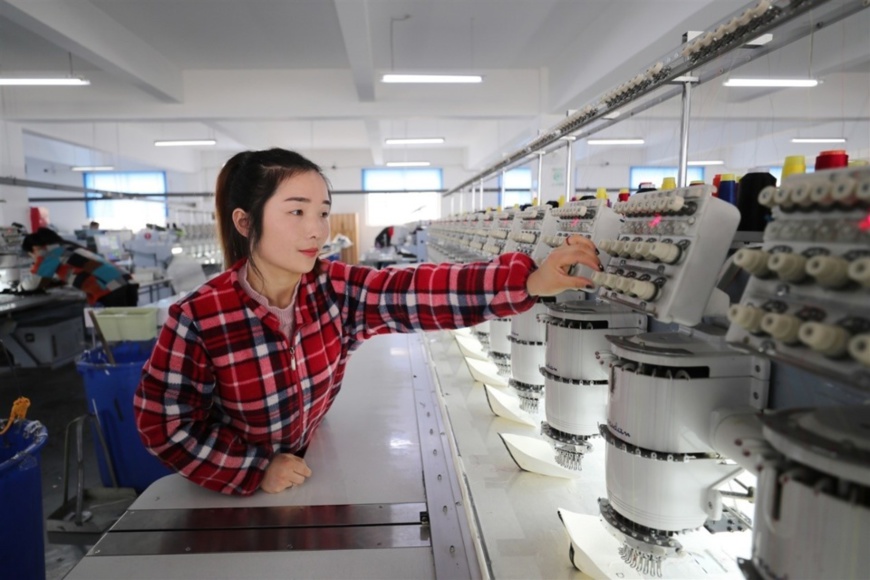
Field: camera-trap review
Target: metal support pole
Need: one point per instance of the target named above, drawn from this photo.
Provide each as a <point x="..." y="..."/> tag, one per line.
<point x="682" y="180"/>
<point x="501" y="190"/>
<point x="569" y="169"/>
<point x="540" y="176"/>
<point x="481" y="194"/>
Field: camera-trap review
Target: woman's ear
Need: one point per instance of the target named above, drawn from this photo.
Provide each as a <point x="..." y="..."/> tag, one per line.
<point x="241" y="221"/>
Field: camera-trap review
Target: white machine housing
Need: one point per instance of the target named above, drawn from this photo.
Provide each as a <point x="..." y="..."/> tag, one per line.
<point x="812" y="516"/>
<point x="678" y="380"/>
<point x="574" y="381"/>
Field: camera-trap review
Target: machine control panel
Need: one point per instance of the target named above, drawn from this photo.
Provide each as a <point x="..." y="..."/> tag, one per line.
<point x="526" y="230"/>
<point x="590" y="218"/>
<point x="668" y="252"/>
<point x="807" y="302"/>
<point x="499" y="232"/>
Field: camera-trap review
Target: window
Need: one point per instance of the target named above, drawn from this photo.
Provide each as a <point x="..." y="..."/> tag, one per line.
<point x="641" y="174"/>
<point x="518" y="187"/>
<point x="415" y="203"/>
<point x="130" y="214"/>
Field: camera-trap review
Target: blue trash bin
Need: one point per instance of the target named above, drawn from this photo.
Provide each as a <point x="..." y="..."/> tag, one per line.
<point x="22" y="532"/>
<point x="110" y="388"/>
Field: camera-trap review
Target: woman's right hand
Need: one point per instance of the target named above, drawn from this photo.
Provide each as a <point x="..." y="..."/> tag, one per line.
<point x="284" y="471"/>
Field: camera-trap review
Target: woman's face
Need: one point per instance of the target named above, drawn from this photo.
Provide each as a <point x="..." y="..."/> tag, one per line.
<point x="295" y="225"/>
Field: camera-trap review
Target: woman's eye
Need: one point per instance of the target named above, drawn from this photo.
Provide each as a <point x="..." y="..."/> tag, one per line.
<point x="296" y="212"/>
<point x="325" y="214"/>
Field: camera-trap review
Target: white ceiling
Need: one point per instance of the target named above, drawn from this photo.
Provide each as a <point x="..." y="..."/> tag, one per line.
<point x="303" y="74"/>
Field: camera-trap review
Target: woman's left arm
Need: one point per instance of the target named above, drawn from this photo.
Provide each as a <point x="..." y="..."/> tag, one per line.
<point x="438" y="296"/>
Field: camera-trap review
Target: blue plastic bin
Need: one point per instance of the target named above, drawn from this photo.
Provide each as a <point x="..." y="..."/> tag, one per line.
<point x="22" y="545"/>
<point x="110" y="387"/>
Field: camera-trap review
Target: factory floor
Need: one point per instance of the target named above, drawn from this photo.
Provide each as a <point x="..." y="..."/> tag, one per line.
<point x="57" y="396"/>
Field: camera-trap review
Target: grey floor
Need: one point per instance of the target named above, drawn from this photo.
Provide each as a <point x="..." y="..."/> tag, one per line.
<point x="56" y="397"/>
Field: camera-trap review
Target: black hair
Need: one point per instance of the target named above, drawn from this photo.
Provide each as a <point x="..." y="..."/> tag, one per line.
<point x="41" y="237"/>
<point x="246" y="182"/>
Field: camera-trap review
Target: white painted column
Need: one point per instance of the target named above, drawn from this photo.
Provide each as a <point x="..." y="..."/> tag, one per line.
<point x="14" y="206"/>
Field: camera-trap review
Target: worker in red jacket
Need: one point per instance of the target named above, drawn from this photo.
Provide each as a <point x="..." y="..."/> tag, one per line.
<point x="247" y="366"/>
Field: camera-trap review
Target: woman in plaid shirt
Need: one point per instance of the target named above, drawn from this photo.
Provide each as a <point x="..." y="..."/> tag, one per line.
<point x="247" y="366"/>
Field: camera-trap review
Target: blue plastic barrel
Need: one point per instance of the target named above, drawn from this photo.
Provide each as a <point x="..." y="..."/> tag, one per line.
<point x="22" y="530"/>
<point x="110" y="388"/>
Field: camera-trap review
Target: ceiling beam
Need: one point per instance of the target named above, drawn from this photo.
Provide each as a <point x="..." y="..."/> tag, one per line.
<point x="89" y="33"/>
<point x="353" y="16"/>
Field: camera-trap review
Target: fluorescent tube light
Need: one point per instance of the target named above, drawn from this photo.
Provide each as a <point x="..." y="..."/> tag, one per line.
<point x="819" y="140"/>
<point x="414" y="141"/>
<point x="777" y="83"/>
<point x="92" y="168"/>
<point x="184" y="142"/>
<point x="44" y="82"/>
<point x="615" y="141"/>
<point x="408" y="164"/>
<point x="699" y="163"/>
<point x="418" y="78"/>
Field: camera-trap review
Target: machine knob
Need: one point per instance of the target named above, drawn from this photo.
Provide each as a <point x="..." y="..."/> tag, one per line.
<point x="580" y="211"/>
<point x="859" y="271"/>
<point x="782" y="327"/>
<point x="664" y="252"/>
<point x="627" y="250"/>
<point x="642" y="250"/>
<point x="859" y="348"/>
<point x="790" y="267"/>
<point x="820" y="193"/>
<point x="598" y="278"/>
<point x="618" y="248"/>
<point x="605" y="245"/>
<point x="828" y="339"/>
<point x="843" y="189"/>
<point x="753" y="261"/>
<point x="862" y="191"/>
<point x="643" y="289"/>
<point x="829" y="271"/>
<point x="801" y="195"/>
<point x="766" y="196"/>
<point x="675" y="204"/>
<point x="623" y="285"/>
<point x="746" y="317"/>
<point x="782" y="196"/>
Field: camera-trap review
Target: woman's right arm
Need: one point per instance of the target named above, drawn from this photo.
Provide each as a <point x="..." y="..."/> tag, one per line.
<point x="173" y="414"/>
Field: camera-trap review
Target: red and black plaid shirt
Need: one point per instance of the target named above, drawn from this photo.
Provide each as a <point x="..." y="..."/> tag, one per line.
<point x="224" y="389"/>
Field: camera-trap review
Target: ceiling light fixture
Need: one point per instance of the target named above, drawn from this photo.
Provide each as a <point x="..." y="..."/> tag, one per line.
<point x="615" y="141"/>
<point x="425" y="78"/>
<point x="771" y="83"/>
<point x="701" y="163"/>
<point x="92" y="168"/>
<point x="184" y="142"/>
<point x="408" y="164"/>
<point x="43" y="82"/>
<point x="819" y="140"/>
<point x="414" y="141"/>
